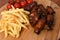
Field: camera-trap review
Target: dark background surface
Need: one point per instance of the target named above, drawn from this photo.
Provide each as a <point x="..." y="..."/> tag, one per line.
<point x="2" y="2"/>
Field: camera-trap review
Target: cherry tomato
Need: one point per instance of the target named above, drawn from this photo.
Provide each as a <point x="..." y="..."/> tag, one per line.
<point x="9" y="6"/>
<point x="29" y="1"/>
<point x="23" y="3"/>
<point x="17" y="5"/>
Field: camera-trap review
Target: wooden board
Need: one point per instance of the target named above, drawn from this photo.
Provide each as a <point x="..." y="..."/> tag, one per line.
<point x="3" y="2"/>
<point x="58" y="38"/>
<point x="44" y="35"/>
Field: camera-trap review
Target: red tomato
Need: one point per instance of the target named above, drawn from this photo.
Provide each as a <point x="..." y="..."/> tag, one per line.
<point x="23" y="3"/>
<point x="17" y="5"/>
<point x="29" y="1"/>
<point x="9" y="6"/>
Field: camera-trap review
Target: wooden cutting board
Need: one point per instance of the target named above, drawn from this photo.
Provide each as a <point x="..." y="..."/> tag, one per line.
<point x="44" y="35"/>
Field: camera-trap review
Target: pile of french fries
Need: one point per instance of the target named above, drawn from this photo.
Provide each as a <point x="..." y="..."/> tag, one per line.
<point x="13" y="20"/>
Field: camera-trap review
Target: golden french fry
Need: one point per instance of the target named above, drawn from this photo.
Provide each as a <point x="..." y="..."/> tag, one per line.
<point x="18" y="31"/>
<point x="5" y="28"/>
<point x="21" y="24"/>
<point x="12" y="7"/>
<point x="11" y="29"/>
<point x="17" y="35"/>
<point x="11" y="34"/>
<point x="12" y="21"/>
<point x="24" y="17"/>
<point x="6" y="33"/>
<point x="15" y="30"/>
<point x="16" y="14"/>
<point x="20" y="20"/>
<point x="26" y="12"/>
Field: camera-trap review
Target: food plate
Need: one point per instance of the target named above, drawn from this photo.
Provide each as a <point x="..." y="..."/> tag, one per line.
<point x="44" y="35"/>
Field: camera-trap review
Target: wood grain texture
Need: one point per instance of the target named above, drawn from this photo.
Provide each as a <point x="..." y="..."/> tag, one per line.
<point x="56" y="1"/>
<point x="58" y="38"/>
<point x="3" y="2"/>
<point x="44" y="35"/>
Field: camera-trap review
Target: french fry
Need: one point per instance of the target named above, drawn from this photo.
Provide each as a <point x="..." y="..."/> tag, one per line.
<point x="24" y="17"/>
<point x="16" y="14"/>
<point x="26" y="12"/>
<point x="10" y="28"/>
<point x="15" y="30"/>
<point x="12" y="21"/>
<point x="5" y="29"/>
<point x="12" y="7"/>
<point x="11" y="34"/>
<point x="6" y="33"/>
<point x="17" y="35"/>
<point x="20" y="20"/>
<point x="21" y="24"/>
<point x="18" y="31"/>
